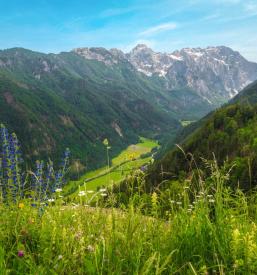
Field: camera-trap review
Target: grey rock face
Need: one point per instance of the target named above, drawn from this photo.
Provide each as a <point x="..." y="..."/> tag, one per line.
<point x="215" y="73"/>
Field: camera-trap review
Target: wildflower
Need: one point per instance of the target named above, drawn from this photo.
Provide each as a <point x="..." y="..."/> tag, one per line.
<point x="21" y="205"/>
<point x="50" y="200"/>
<point x="154" y="198"/>
<point x="58" y="190"/>
<point x="238" y="263"/>
<point x="106" y="142"/>
<point x="90" y="248"/>
<point x="21" y="253"/>
<point x="103" y="194"/>
<point x="179" y="203"/>
<point x="90" y="191"/>
<point x="82" y="193"/>
<point x="78" y="235"/>
<point x="60" y="257"/>
<point x="186" y="187"/>
<point x="102" y="190"/>
<point x="209" y="196"/>
<point x="31" y="221"/>
<point x="211" y="200"/>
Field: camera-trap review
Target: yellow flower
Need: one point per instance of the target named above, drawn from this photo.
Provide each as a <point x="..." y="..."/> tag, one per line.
<point x="236" y="234"/>
<point x="21" y="205"/>
<point x="31" y="220"/>
<point x="106" y="142"/>
<point x="154" y="199"/>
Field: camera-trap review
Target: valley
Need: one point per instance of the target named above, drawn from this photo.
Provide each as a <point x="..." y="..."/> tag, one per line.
<point x="77" y="99"/>
<point x="134" y="157"/>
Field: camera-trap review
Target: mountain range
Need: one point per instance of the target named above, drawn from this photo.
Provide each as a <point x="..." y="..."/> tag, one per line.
<point x="216" y="74"/>
<point x="77" y="99"/>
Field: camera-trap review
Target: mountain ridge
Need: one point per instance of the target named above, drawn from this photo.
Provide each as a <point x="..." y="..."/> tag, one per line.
<point x="83" y="100"/>
<point x="216" y="73"/>
<point x="57" y="101"/>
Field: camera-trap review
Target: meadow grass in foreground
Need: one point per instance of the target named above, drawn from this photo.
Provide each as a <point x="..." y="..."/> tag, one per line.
<point x="208" y="231"/>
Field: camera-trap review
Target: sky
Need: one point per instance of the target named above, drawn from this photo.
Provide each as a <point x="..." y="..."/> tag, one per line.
<point x="164" y="25"/>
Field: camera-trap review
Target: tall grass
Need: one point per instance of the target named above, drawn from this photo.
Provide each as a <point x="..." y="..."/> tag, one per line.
<point x="203" y="228"/>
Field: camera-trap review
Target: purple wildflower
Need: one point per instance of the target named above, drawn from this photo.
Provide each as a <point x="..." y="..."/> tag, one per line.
<point x="21" y="253"/>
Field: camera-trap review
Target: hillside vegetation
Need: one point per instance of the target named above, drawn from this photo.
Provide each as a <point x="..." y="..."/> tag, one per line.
<point x="211" y="231"/>
<point x="197" y="225"/>
<point x="229" y="133"/>
<point x="58" y="101"/>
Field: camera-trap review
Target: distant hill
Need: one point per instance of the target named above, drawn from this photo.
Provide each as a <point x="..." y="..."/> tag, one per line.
<point x="229" y="132"/>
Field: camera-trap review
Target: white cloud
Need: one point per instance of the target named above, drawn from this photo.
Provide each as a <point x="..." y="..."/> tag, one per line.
<point x="159" y="28"/>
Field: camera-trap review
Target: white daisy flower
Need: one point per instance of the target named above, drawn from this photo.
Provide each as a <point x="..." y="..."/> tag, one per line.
<point x="82" y="193"/>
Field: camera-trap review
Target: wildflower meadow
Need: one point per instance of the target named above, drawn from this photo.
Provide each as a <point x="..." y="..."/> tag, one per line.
<point x="194" y="227"/>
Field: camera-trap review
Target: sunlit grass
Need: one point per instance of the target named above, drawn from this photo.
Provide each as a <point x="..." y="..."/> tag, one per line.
<point x="205" y="231"/>
<point x="115" y="176"/>
<point x="185" y="123"/>
<point x="122" y="165"/>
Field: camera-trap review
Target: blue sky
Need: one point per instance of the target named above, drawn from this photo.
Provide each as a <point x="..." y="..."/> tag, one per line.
<point x="60" y="25"/>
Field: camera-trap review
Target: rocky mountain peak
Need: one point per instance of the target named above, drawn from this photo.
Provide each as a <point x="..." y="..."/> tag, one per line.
<point x="141" y="47"/>
<point x="215" y="73"/>
<point x="97" y="53"/>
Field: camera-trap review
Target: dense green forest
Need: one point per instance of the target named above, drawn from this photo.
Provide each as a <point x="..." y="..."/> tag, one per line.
<point x="227" y="134"/>
<point x="58" y="101"/>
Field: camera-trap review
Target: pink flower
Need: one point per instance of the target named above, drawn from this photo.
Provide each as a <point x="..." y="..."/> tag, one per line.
<point x="20" y="253"/>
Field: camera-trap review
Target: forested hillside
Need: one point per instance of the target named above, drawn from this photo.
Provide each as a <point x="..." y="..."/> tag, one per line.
<point x="58" y="101"/>
<point x="229" y="133"/>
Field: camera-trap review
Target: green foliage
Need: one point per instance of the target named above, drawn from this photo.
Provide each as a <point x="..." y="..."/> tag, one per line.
<point x="135" y="156"/>
<point x="229" y="133"/>
<point x="58" y="101"/>
<point x="203" y="230"/>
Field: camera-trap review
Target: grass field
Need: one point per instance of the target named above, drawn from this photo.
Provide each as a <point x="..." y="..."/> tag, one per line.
<point x="211" y="231"/>
<point x="121" y="165"/>
<point x="185" y="123"/>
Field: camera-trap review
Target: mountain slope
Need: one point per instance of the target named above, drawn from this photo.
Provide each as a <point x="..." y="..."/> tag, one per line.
<point x="230" y="133"/>
<point x="54" y="101"/>
<point x="208" y="77"/>
<point x="215" y="73"/>
<point x="79" y="98"/>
